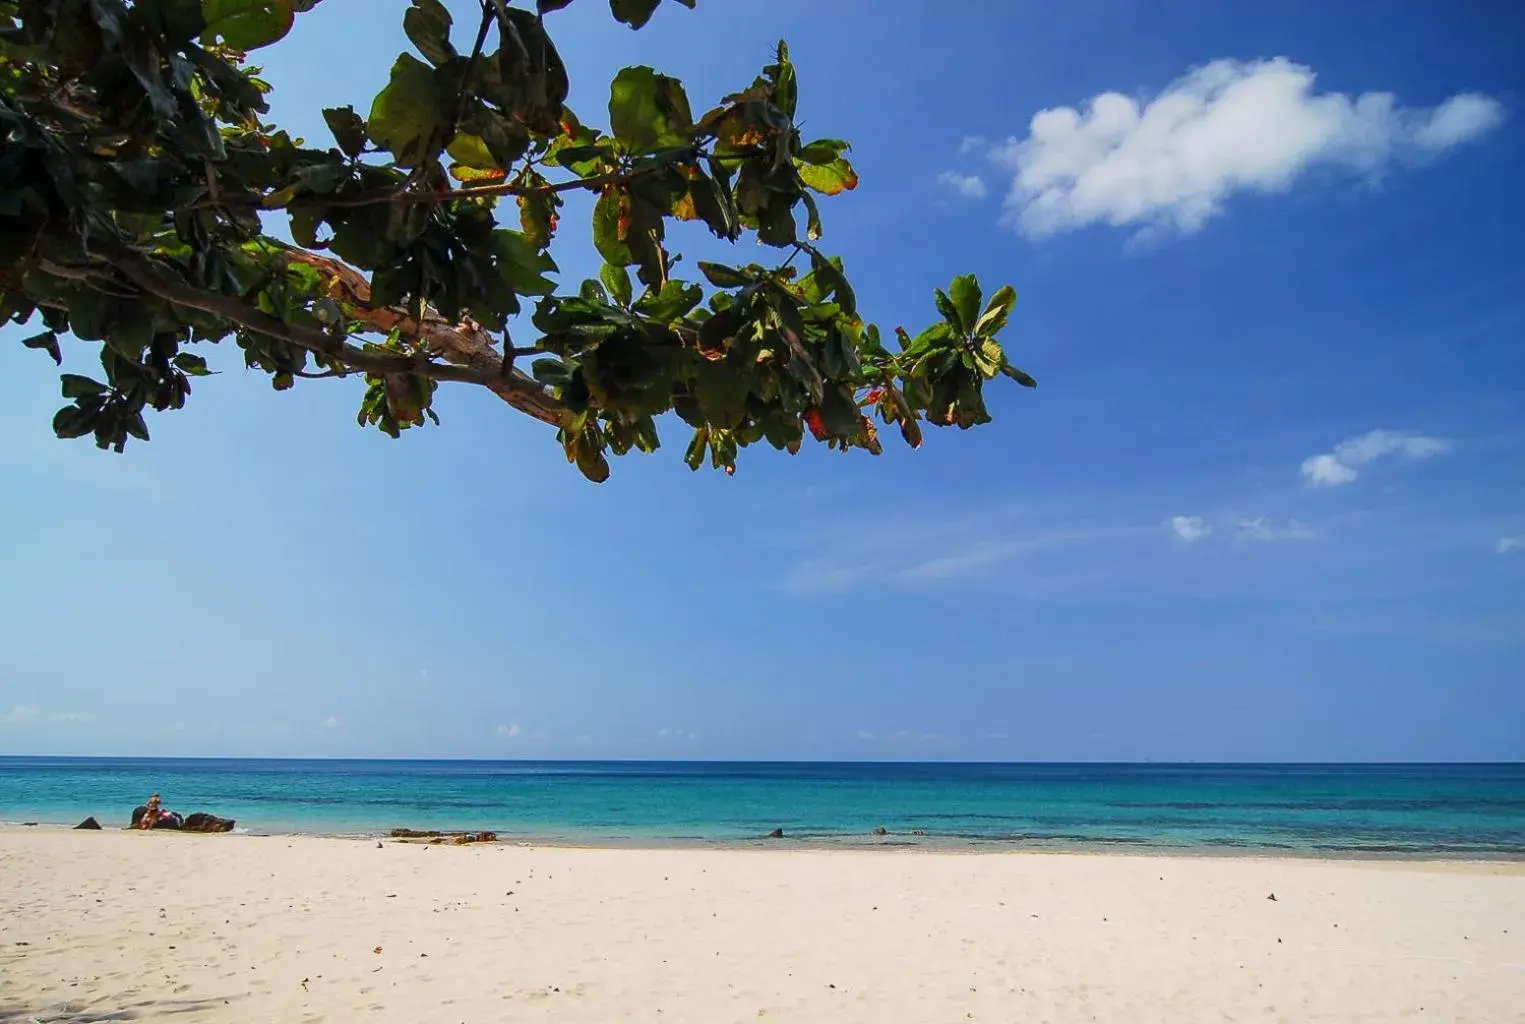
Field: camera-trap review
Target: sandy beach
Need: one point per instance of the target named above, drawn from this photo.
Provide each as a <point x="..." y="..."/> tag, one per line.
<point x="124" y="926"/>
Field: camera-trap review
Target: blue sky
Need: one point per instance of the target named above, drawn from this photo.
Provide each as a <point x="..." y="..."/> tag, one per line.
<point x="1267" y="504"/>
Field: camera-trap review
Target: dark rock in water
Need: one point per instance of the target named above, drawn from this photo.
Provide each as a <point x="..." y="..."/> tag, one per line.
<point x="777" y="833"/>
<point x="475" y="837"/>
<point x="881" y="831"/>
<point x="200" y="821"/>
<point x="89" y="823"/>
<point x="434" y="836"/>
<point x="171" y="821"/>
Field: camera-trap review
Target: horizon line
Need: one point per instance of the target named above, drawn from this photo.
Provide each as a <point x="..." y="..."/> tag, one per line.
<point x="758" y="761"/>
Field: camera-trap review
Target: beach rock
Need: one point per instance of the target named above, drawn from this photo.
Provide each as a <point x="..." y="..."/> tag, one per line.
<point x="777" y="833"/>
<point x="881" y="831"/>
<point x="458" y="838"/>
<point x="172" y="822"/>
<point x="200" y="821"/>
<point x="89" y="823"/>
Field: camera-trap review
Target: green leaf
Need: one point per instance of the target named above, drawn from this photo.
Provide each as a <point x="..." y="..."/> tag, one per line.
<point x="813" y="228"/>
<point x="348" y="128"/>
<point x="695" y="454"/>
<point x="722" y="393"/>
<point x="409" y="116"/>
<point x="522" y="264"/>
<point x="538" y="217"/>
<point x="73" y="421"/>
<point x="635" y="13"/>
<point x="191" y="364"/>
<point x="609" y="215"/>
<point x="785" y="85"/>
<point x="550" y="372"/>
<point x="989" y="358"/>
<point x="722" y="276"/>
<point x="246" y="24"/>
<point x="828" y="179"/>
<point x="427" y="24"/>
<point x="649" y="111"/>
<point x="965" y="292"/>
<point x="949" y="311"/>
<point x="135" y="426"/>
<point x="1020" y="376"/>
<point x="674" y="301"/>
<point x="75" y="386"/>
<point x="48" y="342"/>
<point x="471" y="151"/>
<point x="617" y="280"/>
<point x="833" y="281"/>
<point x="994" y="317"/>
<point x="593" y="465"/>
<point x="713" y="206"/>
<point x="823" y="152"/>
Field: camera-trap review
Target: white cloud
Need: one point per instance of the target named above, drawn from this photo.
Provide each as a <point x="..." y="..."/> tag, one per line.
<point x="1507" y="545"/>
<point x="1327" y="471"/>
<point x="510" y="731"/>
<point x="972" y="144"/>
<point x="1189" y="528"/>
<point x="864" y="734"/>
<point x="970" y="186"/>
<point x="21" y="714"/>
<point x="1339" y="466"/>
<point x="1230" y="126"/>
<point x="1265" y="530"/>
<point x="331" y="722"/>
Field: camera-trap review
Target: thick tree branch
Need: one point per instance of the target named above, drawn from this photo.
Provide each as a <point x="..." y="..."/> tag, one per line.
<point x="467" y="348"/>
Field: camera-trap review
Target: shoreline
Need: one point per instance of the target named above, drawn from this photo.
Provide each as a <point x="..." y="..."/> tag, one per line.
<point x="882" y="845"/>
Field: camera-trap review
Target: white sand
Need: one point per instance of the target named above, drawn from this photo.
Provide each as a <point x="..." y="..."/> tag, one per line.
<point x="233" y="928"/>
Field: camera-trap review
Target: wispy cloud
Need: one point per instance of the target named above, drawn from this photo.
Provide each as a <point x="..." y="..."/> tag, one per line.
<point x="1509" y="545"/>
<point x="20" y="714"/>
<point x="509" y="731"/>
<point x="71" y="717"/>
<point x="918" y="558"/>
<point x="1172" y="162"/>
<point x="1332" y="469"/>
<point x="331" y="722"/>
<point x="1261" y="529"/>
<point x="1189" y="529"/>
<point x="970" y="186"/>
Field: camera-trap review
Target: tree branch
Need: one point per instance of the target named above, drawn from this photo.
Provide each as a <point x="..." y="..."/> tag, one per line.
<point x="597" y="182"/>
<point x="467" y="348"/>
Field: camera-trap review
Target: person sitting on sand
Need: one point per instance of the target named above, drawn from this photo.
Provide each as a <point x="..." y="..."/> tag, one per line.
<point x="151" y="813"/>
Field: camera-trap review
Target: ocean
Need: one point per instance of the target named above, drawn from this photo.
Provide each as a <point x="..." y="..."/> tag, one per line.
<point x="1403" y="810"/>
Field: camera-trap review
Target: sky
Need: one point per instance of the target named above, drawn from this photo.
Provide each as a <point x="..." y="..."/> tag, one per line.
<point x="1267" y="504"/>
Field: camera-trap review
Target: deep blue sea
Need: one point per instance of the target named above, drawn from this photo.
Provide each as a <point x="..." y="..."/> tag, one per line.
<point x="1398" y="810"/>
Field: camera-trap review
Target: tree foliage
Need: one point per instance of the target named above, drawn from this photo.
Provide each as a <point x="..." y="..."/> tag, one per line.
<point x="138" y="181"/>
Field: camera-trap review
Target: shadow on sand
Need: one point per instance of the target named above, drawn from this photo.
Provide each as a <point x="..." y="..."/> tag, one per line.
<point x="76" y="1013"/>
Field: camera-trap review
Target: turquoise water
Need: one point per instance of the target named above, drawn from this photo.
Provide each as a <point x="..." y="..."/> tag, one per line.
<point x="1401" y="810"/>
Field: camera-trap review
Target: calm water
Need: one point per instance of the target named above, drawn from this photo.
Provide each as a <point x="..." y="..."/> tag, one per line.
<point x="1415" y="810"/>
